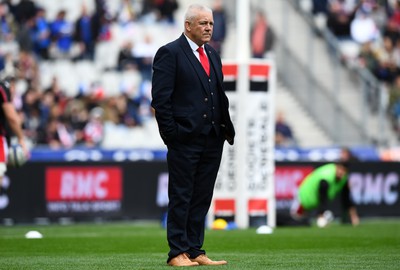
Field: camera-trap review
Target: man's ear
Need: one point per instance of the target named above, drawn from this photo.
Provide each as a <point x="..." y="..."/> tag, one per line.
<point x="187" y="26"/>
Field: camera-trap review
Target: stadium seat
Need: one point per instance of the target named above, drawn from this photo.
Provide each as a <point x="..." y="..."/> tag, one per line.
<point x="111" y="81"/>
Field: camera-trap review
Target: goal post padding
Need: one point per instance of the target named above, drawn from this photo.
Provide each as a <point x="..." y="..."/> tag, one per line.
<point x="244" y="190"/>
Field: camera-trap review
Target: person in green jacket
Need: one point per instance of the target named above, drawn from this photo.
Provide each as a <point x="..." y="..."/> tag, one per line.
<point x="321" y="186"/>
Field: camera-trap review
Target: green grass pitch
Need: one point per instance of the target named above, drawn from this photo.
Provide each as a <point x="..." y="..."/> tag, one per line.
<point x="375" y="244"/>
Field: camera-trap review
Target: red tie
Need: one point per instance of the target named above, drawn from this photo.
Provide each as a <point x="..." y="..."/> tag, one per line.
<point x="204" y="60"/>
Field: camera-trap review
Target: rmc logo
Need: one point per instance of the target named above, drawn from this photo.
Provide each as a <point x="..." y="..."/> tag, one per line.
<point x="83" y="183"/>
<point x="380" y="188"/>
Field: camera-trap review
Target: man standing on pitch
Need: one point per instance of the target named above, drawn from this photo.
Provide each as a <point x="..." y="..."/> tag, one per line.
<point x="191" y="109"/>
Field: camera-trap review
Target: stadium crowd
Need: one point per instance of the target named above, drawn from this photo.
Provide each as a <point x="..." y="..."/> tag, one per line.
<point x="372" y="29"/>
<point x="62" y="118"/>
<point x="60" y="113"/>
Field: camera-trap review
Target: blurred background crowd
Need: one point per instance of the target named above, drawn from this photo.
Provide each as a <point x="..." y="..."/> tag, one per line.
<point x="83" y="68"/>
<point x="77" y="74"/>
<point x="365" y="34"/>
<point x="368" y="32"/>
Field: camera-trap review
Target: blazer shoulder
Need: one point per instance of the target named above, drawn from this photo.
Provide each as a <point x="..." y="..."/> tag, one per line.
<point x="172" y="47"/>
<point x="212" y="52"/>
<point x="211" y="49"/>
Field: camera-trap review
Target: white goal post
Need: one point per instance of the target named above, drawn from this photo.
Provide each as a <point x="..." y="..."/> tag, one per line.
<point x="244" y="191"/>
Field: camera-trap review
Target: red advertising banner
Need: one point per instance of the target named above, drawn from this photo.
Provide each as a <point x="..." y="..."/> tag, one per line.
<point x="288" y="178"/>
<point x="83" y="189"/>
<point x="83" y="183"/>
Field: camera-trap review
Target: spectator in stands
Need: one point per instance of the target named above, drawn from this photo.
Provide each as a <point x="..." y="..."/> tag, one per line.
<point x="387" y="68"/>
<point x="148" y="12"/>
<point x="145" y="111"/>
<point x="31" y="125"/>
<point x="24" y="10"/>
<point x="64" y="130"/>
<point x="2" y="60"/>
<point x="103" y="20"/>
<point x="10" y="64"/>
<point x="144" y="52"/>
<point x="131" y="117"/>
<point x="98" y="16"/>
<point x="340" y="15"/>
<point x="220" y="21"/>
<point x="47" y="101"/>
<point x="62" y="35"/>
<point x="393" y="10"/>
<point x="376" y="11"/>
<point x="125" y="57"/>
<point x="391" y="30"/>
<point x="56" y="134"/>
<point x="85" y="34"/>
<point x="126" y="13"/>
<point x="92" y="95"/>
<point x="166" y="10"/>
<point x="27" y="68"/>
<point x="262" y="36"/>
<point x="283" y="132"/>
<point x="105" y="33"/>
<point x="58" y="93"/>
<point x="25" y="35"/>
<point x="41" y="35"/>
<point x="368" y="56"/>
<point x="127" y="111"/>
<point x="11" y="7"/>
<point x="394" y="104"/>
<point x="6" y="24"/>
<point x="94" y="129"/>
<point x="319" y="6"/>
<point x="363" y="28"/>
<point x="77" y="116"/>
<point x="31" y="113"/>
<point x="102" y="10"/>
<point x="31" y="100"/>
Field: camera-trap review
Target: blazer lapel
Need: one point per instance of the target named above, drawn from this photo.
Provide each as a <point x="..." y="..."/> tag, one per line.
<point x="194" y="61"/>
<point x="213" y="62"/>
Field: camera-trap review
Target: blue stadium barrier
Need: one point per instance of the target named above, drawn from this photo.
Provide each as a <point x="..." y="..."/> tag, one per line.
<point x="106" y="155"/>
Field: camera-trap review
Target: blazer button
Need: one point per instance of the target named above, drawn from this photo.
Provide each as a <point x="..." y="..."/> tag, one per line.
<point x="204" y="115"/>
<point x="206" y="99"/>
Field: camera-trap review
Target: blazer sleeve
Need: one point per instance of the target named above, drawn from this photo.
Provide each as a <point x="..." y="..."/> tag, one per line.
<point x="163" y="84"/>
<point x="229" y="130"/>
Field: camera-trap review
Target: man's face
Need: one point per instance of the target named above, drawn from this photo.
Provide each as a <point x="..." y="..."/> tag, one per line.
<point x="200" y="29"/>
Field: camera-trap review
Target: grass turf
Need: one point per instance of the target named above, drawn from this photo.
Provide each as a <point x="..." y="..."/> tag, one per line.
<point x="375" y="244"/>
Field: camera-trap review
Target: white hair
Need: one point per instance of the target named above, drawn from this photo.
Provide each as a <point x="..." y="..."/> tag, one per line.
<point x="193" y="10"/>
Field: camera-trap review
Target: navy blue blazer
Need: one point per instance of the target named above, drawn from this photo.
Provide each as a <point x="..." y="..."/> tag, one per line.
<point x="179" y="94"/>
